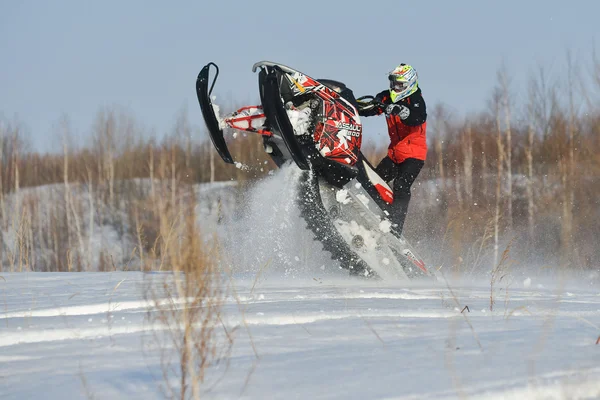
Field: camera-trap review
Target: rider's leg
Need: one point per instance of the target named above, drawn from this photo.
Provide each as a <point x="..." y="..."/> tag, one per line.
<point x="387" y="169"/>
<point x="407" y="172"/>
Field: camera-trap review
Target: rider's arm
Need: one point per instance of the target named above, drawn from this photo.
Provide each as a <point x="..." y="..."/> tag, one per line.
<point x="417" y="114"/>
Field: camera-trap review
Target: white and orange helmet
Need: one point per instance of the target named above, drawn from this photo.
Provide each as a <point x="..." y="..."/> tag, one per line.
<point x="404" y="81"/>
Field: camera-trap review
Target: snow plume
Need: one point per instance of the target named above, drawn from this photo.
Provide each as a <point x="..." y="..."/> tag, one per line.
<point x="242" y="166"/>
<point x="342" y="196"/>
<point x="300" y="119"/>
<point x="268" y="236"/>
<point x="217" y="111"/>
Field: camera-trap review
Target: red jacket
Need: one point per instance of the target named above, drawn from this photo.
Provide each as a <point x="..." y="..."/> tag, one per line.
<point x="407" y="130"/>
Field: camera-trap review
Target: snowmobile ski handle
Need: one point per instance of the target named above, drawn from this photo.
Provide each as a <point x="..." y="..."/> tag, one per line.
<point x="216" y="76"/>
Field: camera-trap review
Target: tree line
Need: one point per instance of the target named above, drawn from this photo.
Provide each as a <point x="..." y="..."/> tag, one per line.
<point x="523" y="172"/>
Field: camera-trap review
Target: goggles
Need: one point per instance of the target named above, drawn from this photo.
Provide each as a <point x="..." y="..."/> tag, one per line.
<point x="395" y="85"/>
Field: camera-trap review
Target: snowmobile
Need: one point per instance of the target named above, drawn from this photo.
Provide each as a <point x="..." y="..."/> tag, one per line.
<point x="315" y="124"/>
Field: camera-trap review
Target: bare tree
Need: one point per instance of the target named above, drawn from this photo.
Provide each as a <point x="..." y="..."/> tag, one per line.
<point x="151" y="170"/>
<point x="18" y="217"/>
<point x="529" y="157"/>
<point x="183" y="136"/>
<point x="66" y="138"/>
<point x="440" y="117"/>
<point x="484" y="173"/>
<point x="595" y="67"/>
<point x="467" y="150"/>
<point x="571" y="75"/>
<point x="3" y="132"/>
<point x="105" y="132"/>
<point x="496" y="104"/>
<point x="504" y="84"/>
<point x="457" y="185"/>
<point x="568" y="171"/>
<point x="90" y="182"/>
<point x="540" y="109"/>
<point x="567" y="225"/>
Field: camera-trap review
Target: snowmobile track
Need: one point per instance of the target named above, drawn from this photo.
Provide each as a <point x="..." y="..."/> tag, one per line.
<point x="320" y="223"/>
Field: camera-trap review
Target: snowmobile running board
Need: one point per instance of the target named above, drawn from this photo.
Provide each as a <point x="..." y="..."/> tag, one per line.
<point x="212" y="123"/>
<point x="276" y="115"/>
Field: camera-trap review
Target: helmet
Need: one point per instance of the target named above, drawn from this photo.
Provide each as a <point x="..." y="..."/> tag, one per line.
<point x="403" y="82"/>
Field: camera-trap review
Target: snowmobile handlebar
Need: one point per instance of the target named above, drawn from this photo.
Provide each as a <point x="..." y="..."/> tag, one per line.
<point x="369" y="100"/>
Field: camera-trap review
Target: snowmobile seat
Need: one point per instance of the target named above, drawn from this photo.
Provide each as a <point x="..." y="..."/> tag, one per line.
<point x="336" y="86"/>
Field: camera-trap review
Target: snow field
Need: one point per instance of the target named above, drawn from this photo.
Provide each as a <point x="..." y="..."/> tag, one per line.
<point x="76" y="336"/>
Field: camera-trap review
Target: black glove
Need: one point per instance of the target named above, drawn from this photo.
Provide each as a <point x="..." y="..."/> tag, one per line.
<point x="398" y="109"/>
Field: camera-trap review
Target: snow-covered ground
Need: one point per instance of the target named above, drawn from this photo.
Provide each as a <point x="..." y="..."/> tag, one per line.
<point x="302" y="328"/>
<point x="86" y="335"/>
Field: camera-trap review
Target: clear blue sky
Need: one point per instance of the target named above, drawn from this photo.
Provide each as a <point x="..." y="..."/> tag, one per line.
<point x="75" y="56"/>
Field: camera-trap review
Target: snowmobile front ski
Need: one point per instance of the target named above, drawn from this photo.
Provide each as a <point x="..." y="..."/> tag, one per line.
<point x="208" y="112"/>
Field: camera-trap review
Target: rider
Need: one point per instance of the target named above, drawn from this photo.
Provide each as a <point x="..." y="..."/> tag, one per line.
<point x="406" y="117"/>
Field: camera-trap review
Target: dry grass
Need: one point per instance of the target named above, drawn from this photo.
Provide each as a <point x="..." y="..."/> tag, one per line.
<point x="186" y="302"/>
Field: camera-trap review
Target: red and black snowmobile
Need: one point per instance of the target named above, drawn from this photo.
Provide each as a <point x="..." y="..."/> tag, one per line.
<point x="314" y="123"/>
